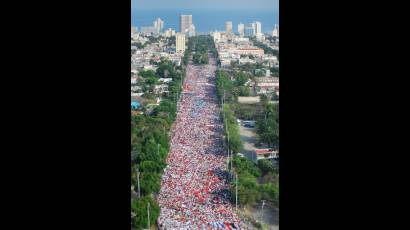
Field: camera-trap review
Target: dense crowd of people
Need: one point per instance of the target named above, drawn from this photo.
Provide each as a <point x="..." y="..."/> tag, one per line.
<point x="194" y="186"/>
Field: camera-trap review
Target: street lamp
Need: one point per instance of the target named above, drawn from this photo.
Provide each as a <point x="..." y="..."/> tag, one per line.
<point x="148" y="216"/>
<point x="263" y="204"/>
<point x="236" y="192"/>
<point x="138" y="182"/>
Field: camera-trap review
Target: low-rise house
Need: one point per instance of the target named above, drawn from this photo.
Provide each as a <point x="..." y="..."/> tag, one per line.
<point x="165" y="80"/>
<point x="245" y="60"/>
<point x="248" y="100"/>
<point x="162" y="88"/>
<point x="150" y="67"/>
<point x="267" y="84"/>
<point x="266" y="154"/>
<point x="134" y="80"/>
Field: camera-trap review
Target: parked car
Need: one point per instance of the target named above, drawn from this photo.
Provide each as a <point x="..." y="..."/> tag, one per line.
<point x="249" y="125"/>
<point x="240" y="154"/>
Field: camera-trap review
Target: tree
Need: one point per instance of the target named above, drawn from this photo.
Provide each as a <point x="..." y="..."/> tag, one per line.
<point x="245" y="166"/>
<point x="244" y="91"/>
<point x="265" y="166"/>
<point x="264" y="100"/>
<point x="165" y="68"/>
<point x="150" y="182"/>
<point x="223" y="82"/>
<point x="241" y="78"/>
<point x="235" y="143"/>
<point x="270" y="192"/>
<point x="140" y="208"/>
<point x="267" y="125"/>
<point x="247" y="190"/>
<point x="147" y="74"/>
<point x="150" y="166"/>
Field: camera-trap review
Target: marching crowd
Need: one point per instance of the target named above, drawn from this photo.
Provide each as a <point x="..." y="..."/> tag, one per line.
<point x="194" y="188"/>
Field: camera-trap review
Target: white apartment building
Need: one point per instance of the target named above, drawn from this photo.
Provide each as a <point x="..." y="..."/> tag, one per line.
<point x="180" y="43"/>
<point x="275" y="32"/>
<point x="185" y="22"/>
<point x="257" y="27"/>
<point x="191" y="31"/>
<point x="158" y="25"/>
<point x="241" y="29"/>
<point x="228" y="26"/>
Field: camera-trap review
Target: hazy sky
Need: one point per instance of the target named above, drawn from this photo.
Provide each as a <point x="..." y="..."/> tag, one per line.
<point x="205" y="4"/>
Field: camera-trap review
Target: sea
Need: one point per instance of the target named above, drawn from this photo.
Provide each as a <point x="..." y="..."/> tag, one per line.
<point x="206" y="20"/>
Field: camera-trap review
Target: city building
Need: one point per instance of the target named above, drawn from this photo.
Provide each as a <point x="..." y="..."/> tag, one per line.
<point x="160" y="89"/>
<point x="148" y="30"/>
<point x="241" y="39"/>
<point x="249" y="51"/>
<point x="216" y="36"/>
<point x="241" y="29"/>
<point x="267" y="84"/>
<point x="159" y="25"/>
<point x="169" y="32"/>
<point x="260" y="37"/>
<point x="266" y="154"/>
<point x="191" y="31"/>
<point x="249" y="31"/>
<point x="133" y="30"/>
<point x="185" y="22"/>
<point x="275" y="32"/>
<point x="258" y="28"/>
<point x="253" y="24"/>
<point x="228" y="26"/>
<point x="180" y="43"/>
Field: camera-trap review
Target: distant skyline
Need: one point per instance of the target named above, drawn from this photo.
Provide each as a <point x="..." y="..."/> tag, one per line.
<point x="206" y="4"/>
<point x="144" y="12"/>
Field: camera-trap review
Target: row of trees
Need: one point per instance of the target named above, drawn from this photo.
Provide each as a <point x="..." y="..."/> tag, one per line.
<point x="214" y="51"/>
<point x="267" y="123"/>
<point x="187" y="54"/>
<point x="232" y="88"/>
<point x="255" y="181"/>
<point x="139" y="45"/>
<point x="150" y="144"/>
<point x="201" y="44"/>
<point x="250" y="191"/>
<point x="231" y="128"/>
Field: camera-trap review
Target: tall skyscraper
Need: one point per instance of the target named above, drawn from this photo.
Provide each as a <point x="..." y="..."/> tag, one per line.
<point x="159" y="25"/>
<point x="185" y="21"/>
<point x="258" y="28"/>
<point x="253" y="24"/>
<point x="249" y="31"/>
<point x="180" y="42"/>
<point x="241" y="29"/>
<point x="275" y="32"/>
<point x="228" y="25"/>
<point x="191" y="31"/>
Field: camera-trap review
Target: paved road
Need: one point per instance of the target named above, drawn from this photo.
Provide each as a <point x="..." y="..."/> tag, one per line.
<point x="194" y="187"/>
<point x="248" y="138"/>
